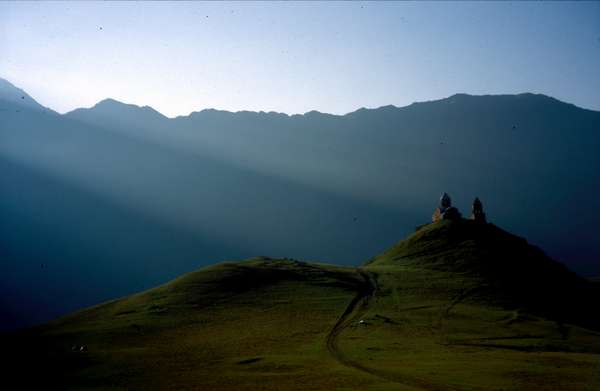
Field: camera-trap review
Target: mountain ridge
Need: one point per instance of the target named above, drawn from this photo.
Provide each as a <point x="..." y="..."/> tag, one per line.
<point x="454" y="96"/>
<point x="361" y="109"/>
<point x="335" y="188"/>
<point x="109" y="103"/>
<point x="15" y="95"/>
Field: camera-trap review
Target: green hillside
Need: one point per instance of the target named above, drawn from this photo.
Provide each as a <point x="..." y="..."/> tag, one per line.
<point x="501" y="268"/>
<point x="457" y="305"/>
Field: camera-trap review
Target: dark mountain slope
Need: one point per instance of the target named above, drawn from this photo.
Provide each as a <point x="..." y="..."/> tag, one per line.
<point x="109" y="203"/>
<point x="485" y="145"/>
<point x="65" y="247"/>
<point x="338" y="188"/>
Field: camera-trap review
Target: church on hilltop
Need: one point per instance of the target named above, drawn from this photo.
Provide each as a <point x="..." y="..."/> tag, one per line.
<point x="445" y="211"/>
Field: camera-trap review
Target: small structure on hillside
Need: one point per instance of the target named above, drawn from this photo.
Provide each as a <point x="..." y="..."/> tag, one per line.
<point x="445" y="211"/>
<point x="477" y="214"/>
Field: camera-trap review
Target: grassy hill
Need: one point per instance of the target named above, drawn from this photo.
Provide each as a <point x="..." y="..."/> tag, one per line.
<point x="501" y="268"/>
<point x="456" y="305"/>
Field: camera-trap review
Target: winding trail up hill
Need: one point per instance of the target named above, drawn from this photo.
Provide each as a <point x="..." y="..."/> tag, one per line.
<point x="456" y="305"/>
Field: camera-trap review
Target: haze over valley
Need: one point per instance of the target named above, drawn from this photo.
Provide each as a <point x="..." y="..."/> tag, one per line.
<point x="300" y="195"/>
<point x="119" y="198"/>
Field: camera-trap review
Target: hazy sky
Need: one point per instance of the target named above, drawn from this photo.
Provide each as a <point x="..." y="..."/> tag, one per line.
<point x="332" y="57"/>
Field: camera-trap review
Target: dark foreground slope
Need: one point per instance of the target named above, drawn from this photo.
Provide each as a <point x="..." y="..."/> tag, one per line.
<point x="455" y="306"/>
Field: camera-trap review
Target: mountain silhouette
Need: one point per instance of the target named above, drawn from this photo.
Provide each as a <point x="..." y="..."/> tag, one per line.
<point x="111" y="112"/>
<point x="16" y="97"/>
<point x="338" y="188"/>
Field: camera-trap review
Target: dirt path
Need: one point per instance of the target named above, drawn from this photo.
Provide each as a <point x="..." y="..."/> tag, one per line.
<point x="357" y="308"/>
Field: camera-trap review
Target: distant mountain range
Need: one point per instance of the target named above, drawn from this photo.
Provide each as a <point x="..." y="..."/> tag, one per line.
<point x="122" y="193"/>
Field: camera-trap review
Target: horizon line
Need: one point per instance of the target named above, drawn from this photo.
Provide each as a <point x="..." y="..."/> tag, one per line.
<point x="292" y="114"/>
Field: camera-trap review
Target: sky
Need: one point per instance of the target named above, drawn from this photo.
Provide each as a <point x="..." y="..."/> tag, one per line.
<point x="295" y="57"/>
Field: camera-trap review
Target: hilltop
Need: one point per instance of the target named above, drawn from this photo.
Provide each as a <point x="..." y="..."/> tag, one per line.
<point x="456" y="305"/>
<point x="502" y="268"/>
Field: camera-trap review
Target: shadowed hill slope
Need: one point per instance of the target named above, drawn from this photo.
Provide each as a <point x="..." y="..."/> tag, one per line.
<point x="457" y="305"/>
